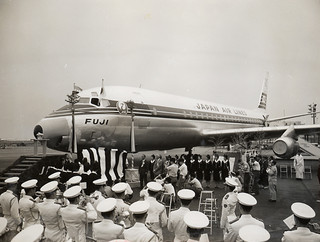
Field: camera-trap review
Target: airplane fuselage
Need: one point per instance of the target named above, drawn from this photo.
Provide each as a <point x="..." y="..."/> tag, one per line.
<point x="161" y="121"/>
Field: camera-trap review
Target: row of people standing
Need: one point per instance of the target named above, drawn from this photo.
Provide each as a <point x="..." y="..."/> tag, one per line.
<point x="216" y="169"/>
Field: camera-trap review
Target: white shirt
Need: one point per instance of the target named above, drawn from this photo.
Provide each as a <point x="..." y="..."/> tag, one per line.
<point x="183" y="170"/>
<point x="177" y="225"/>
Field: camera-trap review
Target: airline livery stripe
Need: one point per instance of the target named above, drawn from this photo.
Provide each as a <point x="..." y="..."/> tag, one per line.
<point x="163" y="112"/>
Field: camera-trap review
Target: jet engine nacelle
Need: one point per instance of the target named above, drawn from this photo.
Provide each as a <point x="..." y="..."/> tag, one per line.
<point x="285" y="147"/>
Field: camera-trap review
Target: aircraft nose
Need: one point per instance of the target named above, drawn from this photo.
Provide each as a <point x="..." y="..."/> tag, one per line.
<point x="38" y="129"/>
<point x="56" y="130"/>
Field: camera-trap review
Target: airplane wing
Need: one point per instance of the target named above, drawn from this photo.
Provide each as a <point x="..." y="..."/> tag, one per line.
<point x="228" y="135"/>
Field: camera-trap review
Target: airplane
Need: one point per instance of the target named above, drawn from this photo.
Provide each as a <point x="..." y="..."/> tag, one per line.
<point x="137" y="119"/>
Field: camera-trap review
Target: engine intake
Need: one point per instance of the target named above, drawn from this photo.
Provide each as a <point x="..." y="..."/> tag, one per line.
<point x="285" y="147"/>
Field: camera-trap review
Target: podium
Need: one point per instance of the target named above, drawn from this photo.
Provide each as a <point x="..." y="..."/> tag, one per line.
<point x="43" y="143"/>
<point x="132" y="175"/>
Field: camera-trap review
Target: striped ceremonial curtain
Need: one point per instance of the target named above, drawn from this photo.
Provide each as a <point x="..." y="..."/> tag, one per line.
<point x="112" y="161"/>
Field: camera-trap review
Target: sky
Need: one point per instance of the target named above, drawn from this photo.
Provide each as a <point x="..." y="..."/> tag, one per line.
<point x="215" y="50"/>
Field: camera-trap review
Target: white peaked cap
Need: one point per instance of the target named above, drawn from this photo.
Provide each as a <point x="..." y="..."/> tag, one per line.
<point x="253" y="233"/>
<point x="119" y="187"/>
<point x="101" y="181"/>
<point x="302" y="210"/>
<point x="154" y="186"/>
<point x="12" y="180"/>
<point x="196" y="220"/>
<point x="186" y="194"/>
<point x="107" y="205"/>
<point x="49" y="187"/>
<point x="74" y="180"/>
<point x="72" y="192"/>
<point x="3" y="225"/>
<point x="31" y="234"/>
<point x="231" y="182"/>
<point x="246" y="199"/>
<point x="54" y="175"/>
<point x="30" y="183"/>
<point x="139" y="207"/>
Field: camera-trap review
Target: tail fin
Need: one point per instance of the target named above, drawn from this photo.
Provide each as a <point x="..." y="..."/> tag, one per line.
<point x="263" y="97"/>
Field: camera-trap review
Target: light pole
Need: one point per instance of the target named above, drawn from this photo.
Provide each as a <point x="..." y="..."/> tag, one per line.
<point x="313" y="109"/>
<point x="73" y="99"/>
<point x="131" y="107"/>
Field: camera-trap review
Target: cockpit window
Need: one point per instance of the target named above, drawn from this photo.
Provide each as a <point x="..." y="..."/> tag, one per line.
<point x="95" y="101"/>
<point x="84" y="100"/>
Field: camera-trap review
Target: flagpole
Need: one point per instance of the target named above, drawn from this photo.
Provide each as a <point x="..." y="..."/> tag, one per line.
<point x="73" y="99"/>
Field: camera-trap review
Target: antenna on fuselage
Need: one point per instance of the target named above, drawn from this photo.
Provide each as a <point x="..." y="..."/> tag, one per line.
<point x="102" y="87"/>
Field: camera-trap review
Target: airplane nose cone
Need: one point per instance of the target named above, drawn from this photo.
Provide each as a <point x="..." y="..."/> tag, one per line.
<point x="56" y="130"/>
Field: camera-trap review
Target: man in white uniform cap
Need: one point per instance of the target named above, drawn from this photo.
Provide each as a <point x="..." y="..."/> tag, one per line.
<point x="139" y="232"/>
<point x="122" y="208"/>
<point x="10" y="207"/>
<point x="107" y="230"/>
<point x="246" y="203"/>
<point x="76" y="217"/>
<point x="253" y="233"/>
<point x="98" y="195"/>
<point x="56" y="177"/>
<point x="175" y="221"/>
<point x="303" y="213"/>
<point x="31" y="234"/>
<point x="229" y="202"/>
<point x="50" y="212"/>
<point x="196" y="222"/>
<point x="74" y="181"/>
<point x="27" y="205"/>
<point x="157" y="214"/>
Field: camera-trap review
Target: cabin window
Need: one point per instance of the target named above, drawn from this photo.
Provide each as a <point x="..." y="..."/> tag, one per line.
<point x="105" y="102"/>
<point x="95" y="101"/>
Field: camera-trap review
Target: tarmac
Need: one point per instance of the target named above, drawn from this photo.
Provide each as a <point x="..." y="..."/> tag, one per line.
<point x="289" y="189"/>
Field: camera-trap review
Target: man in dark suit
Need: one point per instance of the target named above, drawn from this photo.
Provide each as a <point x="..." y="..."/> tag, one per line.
<point x="143" y="171"/>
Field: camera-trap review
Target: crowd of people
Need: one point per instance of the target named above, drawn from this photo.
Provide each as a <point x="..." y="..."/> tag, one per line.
<point x="102" y="210"/>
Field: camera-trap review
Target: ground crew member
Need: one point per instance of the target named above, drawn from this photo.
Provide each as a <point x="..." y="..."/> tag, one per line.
<point x="229" y="202"/>
<point x="157" y="214"/>
<point x="172" y="172"/>
<point x="122" y="215"/>
<point x="76" y="216"/>
<point x="98" y="195"/>
<point x="175" y="221"/>
<point x="303" y="213"/>
<point x="254" y="233"/>
<point x="196" y="222"/>
<point x="246" y="202"/>
<point x="106" y="229"/>
<point x="27" y="205"/>
<point x="10" y="208"/>
<point x="139" y="232"/>
<point x="298" y="164"/>
<point x="183" y="171"/>
<point x="195" y="185"/>
<point x="50" y="212"/>
<point x="31" y="234"/>
<point x="272" y="180"/>
<point x="256" y="175"/>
